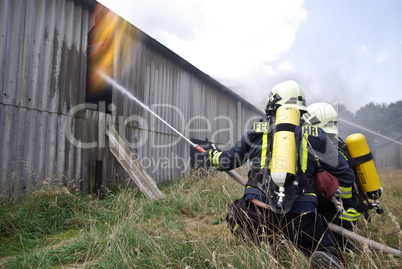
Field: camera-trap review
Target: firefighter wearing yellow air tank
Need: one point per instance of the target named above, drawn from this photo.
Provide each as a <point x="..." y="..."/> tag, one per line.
<point x="368" y="180"/>
<point x="280" y="195"/>
<point x="362" y="160"/>
<point x="284" y="155"/>
<point x="325" y="116"/>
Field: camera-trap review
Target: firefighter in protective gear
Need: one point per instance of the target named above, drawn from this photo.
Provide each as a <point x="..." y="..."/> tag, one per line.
<point x="286" y="93"/>
<point x="255" y="216"/>
<point x="366" y="172"/>
<point x="324" y="115"/>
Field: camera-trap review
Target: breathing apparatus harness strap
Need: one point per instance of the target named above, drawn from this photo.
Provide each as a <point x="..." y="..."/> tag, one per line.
<point x="263" y="186"/>
<point x="361" y="159"/>
<point x="259" y="179"/>
<point x="361" y="200"/>
<point x="306" y="185"/>
<point x="285" y="127"/>
<point x="336" y="196"/>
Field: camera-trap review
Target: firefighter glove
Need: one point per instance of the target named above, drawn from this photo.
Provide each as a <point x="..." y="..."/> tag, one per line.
<point x="350" y="214"/>
<point x="336" y="199"/>
<point x="348" y="218"/>
<point x="212" y="156"/>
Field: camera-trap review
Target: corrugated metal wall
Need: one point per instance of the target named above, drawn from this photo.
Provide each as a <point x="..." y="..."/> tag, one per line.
<point x="43" y="70"/>
<point x="43" y="46"/>
<point x="192" y="102"/>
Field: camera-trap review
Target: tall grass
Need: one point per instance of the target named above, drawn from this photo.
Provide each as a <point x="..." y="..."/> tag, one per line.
<point x="186" y="229"/>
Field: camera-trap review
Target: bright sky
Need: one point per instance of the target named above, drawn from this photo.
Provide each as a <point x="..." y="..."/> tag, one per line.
<point x="347" y="51"/>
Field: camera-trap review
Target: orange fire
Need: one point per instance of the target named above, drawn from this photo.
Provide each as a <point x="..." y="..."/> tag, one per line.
<point x="111" y="41"/>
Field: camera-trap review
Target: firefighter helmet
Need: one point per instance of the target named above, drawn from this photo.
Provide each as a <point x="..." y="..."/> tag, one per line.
<point x="288" y="92"/>
<point x="322" y="115"/>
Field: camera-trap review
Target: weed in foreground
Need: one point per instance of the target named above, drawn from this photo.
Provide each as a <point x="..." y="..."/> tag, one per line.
<point x="186" y="229"/>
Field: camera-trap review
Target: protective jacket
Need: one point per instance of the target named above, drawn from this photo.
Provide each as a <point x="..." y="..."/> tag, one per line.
<point x="347" y="191"/>
<point x="256" y="146"/>
<point x="352" y="205"/>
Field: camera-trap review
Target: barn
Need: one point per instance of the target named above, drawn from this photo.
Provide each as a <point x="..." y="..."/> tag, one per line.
<point x="57" y="110"/>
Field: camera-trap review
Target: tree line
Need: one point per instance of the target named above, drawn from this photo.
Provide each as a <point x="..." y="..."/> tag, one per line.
<point x="372" y="120"/>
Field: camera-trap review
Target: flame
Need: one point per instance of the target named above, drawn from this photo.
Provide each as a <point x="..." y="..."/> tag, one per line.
<point x="112" y="40"/>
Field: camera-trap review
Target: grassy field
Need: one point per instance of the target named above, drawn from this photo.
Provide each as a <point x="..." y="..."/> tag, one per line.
<point x="58" y="229"/>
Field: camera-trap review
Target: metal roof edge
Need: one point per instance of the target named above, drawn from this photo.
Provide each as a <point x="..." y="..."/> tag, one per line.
<point x="187" y="65"/>
<point x="91" y="3"/>
<point x="181" y="61"/>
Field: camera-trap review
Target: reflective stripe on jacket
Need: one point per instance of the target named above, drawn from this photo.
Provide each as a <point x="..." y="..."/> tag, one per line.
<point x="256" y="146"/>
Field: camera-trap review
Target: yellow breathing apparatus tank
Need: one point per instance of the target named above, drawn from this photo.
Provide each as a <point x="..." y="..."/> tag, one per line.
<point x="362" y="160"/>
<point x="284" y="152"/>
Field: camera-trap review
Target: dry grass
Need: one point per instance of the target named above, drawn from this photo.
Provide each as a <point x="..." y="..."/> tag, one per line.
<point x="186" y="229"/>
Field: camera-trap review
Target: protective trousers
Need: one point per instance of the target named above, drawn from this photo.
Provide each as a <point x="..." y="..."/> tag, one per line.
<point x="254" y="224"/>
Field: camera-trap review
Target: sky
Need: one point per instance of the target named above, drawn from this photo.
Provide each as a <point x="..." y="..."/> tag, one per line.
<point x="346" y="51"/>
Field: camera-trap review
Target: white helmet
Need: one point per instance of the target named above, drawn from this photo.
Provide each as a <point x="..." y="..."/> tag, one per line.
<point x="288" y="92"/>
<point x="322" y="115"/>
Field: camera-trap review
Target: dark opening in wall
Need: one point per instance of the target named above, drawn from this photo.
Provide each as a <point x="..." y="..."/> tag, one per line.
<point x="100" y="57"/>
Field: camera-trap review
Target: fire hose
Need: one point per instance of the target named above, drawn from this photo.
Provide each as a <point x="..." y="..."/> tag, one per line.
<point x="334" y="228"/>
<point x="113" y="82"/>
<point x="363" y="240"/>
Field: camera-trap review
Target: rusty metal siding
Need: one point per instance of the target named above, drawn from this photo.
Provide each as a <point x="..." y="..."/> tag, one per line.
<point x="43" y="47"/>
